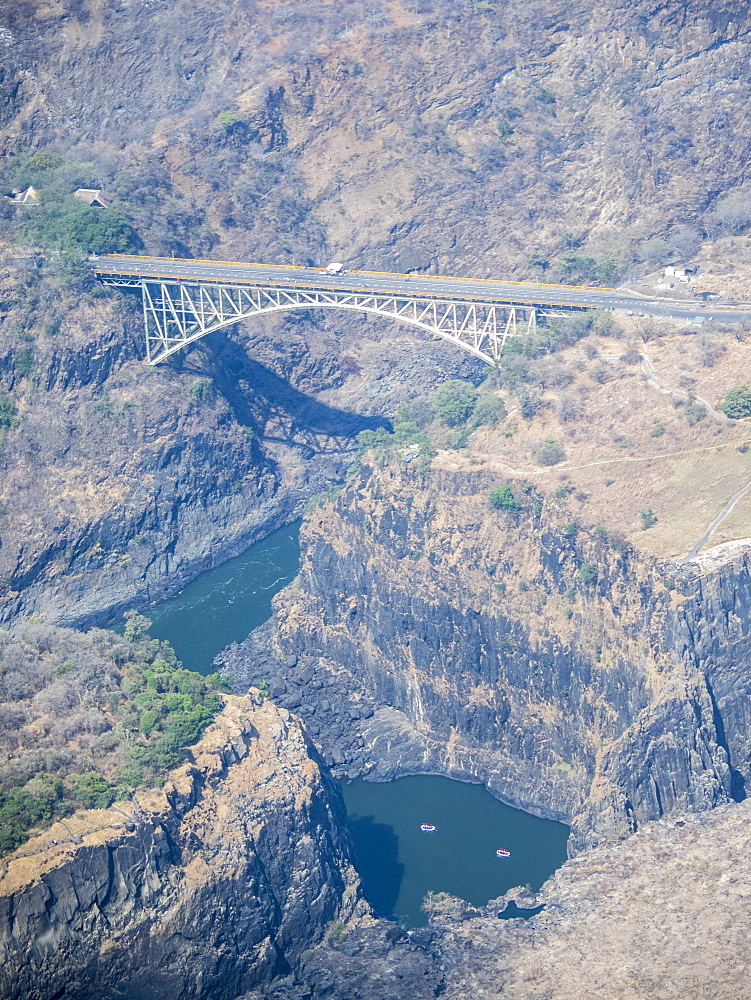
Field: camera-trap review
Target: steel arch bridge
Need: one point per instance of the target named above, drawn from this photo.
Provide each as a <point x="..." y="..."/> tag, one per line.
<point x="178" y="312"/>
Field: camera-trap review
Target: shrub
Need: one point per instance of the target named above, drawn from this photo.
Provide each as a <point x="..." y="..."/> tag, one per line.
<point x="23" y="361"/>
<point x="8" y="416"/>
<point x="631" y="357"/>
<point x="488" y="410"/>
<point x="694" y="413"/>
<point x="569" y="409"/>
<point x="549" y="452"/>
<point x="648" y="518"/>
<point x="501" y="498"/>
<point x="417" y="411"/>
<point x="529" y="405"/>
<point x="458" y="438"/>
<point x="657" y="431"/>
<point x="454" y="401"/>
<point x="737" y="402"/>
<point x="202" y="390"/>
<point x="588" y="572"/>
<point x="571" y="529"/>
<point x="602" y="321"/>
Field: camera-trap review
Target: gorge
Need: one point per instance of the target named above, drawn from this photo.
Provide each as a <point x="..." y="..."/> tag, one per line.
<point x="513" y="600"/>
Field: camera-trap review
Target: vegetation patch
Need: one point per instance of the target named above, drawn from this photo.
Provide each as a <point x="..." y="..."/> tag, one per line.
<point x="503" y="499"/>
<point x="737" y="402"/>
<point x="549" y="452"/>
<point x="88" y="718"/>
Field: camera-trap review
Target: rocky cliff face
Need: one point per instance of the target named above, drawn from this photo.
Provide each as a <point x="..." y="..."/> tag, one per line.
<point x="206" y="888"/>
<point x="429" y="632"/>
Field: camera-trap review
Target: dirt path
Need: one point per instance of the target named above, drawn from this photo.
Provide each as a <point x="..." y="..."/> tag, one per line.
<point x="718" y="520"/>
<point x="646" y="365"/>
<point x="564" y="467"/>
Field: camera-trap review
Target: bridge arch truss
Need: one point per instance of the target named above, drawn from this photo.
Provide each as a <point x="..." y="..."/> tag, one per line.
<point x="177" y="313"/>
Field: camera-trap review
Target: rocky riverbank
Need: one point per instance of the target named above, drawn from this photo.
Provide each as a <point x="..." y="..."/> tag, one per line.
<point x="663" y="915"/>
<point x="215" y="883"/>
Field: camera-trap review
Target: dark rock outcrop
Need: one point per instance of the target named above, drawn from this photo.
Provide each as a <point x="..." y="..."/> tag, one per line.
<point x="215" y="884"/>
<point x="430" y="633"/>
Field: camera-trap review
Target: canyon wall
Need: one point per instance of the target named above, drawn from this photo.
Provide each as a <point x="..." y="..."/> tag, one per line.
<point x="119" y="482"/>
<point x="428" y="632"/>
<point x="215" y="883"/>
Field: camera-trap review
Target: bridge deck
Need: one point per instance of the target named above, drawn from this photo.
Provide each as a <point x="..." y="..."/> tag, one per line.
<point x="405" y="286"/>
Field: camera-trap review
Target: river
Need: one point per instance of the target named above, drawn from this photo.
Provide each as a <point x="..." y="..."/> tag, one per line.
<point x="398" y="862"/>
<point x="225" y="604"/>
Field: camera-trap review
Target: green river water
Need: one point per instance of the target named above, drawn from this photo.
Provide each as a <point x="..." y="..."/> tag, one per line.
<point x="399" y="864"/>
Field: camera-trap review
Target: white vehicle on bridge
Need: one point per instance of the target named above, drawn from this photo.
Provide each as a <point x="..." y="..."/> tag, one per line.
<point x="335" y="268"/>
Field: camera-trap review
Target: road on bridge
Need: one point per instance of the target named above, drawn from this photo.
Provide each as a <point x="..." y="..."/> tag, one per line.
<point x="414" y="286"/>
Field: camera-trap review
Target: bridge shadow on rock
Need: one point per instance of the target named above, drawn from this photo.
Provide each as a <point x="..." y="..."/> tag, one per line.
<point x="377" y="863"/>
<point x="261" y="399"/>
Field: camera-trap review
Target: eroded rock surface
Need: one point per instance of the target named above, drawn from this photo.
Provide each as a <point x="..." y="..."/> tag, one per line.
<point x="215" y="883"/>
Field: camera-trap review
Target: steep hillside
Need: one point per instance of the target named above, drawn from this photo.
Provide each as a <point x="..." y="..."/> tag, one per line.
<point x="120" y="482"/>
<point x="476" y="137"/>
<point x="528" y="140"/>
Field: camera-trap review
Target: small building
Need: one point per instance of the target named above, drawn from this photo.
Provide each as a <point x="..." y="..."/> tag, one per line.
<point x="28" y="197"/>
<point x="669" y="271"/>
<point x="91" y="196"/>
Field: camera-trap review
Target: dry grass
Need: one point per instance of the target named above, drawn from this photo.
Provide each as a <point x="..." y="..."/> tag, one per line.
<point x="616" y="465"/>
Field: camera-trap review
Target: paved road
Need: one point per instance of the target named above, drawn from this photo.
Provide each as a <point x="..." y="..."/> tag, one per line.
<point x="465" y="289"/>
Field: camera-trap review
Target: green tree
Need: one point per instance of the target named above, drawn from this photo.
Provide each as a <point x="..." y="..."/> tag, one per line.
<point x="588" y="572"/>
<point x="503" y="499"/>
<point x="61" y="222"/>
<point x="737" y="402"/>
<point x="136" y="626"/>
<point x="92" y="790"/>
<point x="454" y="401"/>
<point x="44" y="160"/>
<point x="488" y="410"/>
<point x="27" y="806"/>
<point x="8" y="416"/>
<point x="148" y="721"/>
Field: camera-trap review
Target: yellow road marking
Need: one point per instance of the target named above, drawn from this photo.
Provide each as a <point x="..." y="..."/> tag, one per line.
<point x="391" y="274"/>
<point x="408" y="292"/>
